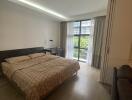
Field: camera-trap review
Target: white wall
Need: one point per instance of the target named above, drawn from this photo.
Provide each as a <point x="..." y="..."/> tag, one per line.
<point x="24" y="28"/>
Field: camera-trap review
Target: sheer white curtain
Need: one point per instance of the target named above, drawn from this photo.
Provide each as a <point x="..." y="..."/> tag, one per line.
<point x="69" y="41"/>
<point x="90" y="44"/>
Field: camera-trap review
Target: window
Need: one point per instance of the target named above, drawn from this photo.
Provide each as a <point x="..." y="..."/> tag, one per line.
<point x="82" y="30"/>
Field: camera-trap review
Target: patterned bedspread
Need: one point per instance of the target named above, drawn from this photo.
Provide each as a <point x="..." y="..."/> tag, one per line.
<point x="39" y="76"/>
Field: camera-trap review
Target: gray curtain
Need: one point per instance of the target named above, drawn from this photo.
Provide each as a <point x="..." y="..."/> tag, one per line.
<point x="97" y="41"/>
<point x="63" y="35"/>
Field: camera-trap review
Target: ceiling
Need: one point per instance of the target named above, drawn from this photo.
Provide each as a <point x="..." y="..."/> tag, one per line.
<point x="73" y="8"/>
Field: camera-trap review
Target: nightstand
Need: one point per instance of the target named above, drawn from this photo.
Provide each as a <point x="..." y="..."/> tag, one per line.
<point x="55" y="51"/>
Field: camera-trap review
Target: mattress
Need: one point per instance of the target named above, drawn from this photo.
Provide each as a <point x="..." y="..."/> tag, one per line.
<point x="39" y="76"/>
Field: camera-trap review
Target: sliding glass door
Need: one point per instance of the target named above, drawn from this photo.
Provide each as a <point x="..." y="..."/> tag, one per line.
<point x="82" y="31"/>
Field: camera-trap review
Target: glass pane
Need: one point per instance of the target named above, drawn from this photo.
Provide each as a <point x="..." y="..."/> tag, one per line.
<point x="84" y="40"/>
<point x="76" y="30"/>
<point x="75" y="53"/>
<point x="75" y="40"/>
<point x="76" y="27"/>
<point x="83" y="55"/>
<point x="86" y="27"/>
<point x="76" y="24"/>
<point x="86" y="23"/>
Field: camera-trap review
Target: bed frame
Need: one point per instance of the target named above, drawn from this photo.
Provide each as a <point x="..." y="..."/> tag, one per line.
<point x="18" y="52"/>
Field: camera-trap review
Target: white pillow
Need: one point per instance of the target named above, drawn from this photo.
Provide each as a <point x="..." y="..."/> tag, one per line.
<point x="17" y="59"/>
<point x="34" y="55"/>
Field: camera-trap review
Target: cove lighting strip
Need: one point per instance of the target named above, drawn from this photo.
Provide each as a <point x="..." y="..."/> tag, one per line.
<point x="42" y="9"/>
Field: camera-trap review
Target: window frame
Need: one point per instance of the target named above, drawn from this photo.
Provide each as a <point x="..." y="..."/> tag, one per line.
<point x="79" y="39"/>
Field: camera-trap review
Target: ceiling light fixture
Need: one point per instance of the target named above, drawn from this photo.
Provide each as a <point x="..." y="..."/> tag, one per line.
<point x="42" y="8"/>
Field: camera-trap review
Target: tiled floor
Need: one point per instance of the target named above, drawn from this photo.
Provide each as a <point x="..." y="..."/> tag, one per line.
<point x="85" y="86"/>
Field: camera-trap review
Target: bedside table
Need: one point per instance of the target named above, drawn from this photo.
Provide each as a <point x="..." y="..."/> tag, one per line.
<point x="55" y="51"/>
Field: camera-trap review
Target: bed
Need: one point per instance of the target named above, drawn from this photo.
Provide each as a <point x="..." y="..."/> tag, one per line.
<point x="38" y="76"/>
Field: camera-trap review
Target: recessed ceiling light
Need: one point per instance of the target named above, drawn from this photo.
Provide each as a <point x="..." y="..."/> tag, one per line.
<point x="42" y="8"/>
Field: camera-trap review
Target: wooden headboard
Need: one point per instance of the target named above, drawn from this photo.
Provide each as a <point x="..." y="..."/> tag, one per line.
<point x="19" y="52"/>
